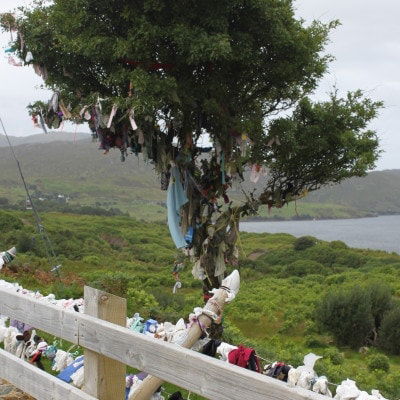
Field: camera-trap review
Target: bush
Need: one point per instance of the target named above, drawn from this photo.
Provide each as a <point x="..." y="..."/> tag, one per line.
<point x="304" y="242"/>
<point x="349" y="259"/>
<point x="140" y="301"/>
<point x="378" y="362"/>
<point x="389" y="334"/>
<point x="25" y="243"/>
<point x="347" y="316"/>
<point x="304" y="267"/>
<point x="93" y="260"/>
<point x="354" y="316"/>
<point x="314" y="342"/>
<point x="381" y="301"/>
<point x="9" y="222"/>
<point x="338" y="244"/>
<point x="62" y="291"/>
<point x="334" y="355"/>
<point x="112" y="282"/>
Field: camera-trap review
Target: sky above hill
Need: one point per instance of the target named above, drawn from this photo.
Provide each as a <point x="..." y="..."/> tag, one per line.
<point x="366" y="47"/>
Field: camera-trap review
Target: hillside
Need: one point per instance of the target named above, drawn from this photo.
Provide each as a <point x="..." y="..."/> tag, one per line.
<point x="81" y="172"/>
<point x="44" y="138"/>
<point x="378" y="192"/>
<point x="274" y="311"/>
<point x="55" y="164"/>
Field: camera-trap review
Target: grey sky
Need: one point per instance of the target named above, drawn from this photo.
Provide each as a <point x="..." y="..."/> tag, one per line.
<point x="366" y="47"/>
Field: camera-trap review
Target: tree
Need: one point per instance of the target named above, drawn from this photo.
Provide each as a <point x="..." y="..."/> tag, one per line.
<point x="238" y="71"/>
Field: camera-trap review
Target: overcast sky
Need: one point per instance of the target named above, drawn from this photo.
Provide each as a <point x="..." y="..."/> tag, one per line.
<point x="366" y="47"/>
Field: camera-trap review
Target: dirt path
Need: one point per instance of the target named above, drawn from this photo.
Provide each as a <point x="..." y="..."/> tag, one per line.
<point x="9" y="392"/>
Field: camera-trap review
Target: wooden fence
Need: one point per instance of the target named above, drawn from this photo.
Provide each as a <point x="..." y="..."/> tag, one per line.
<point x="109" y="346"/>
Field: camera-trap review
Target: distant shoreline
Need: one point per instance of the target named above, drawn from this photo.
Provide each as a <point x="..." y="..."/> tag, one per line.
<point x="309" y="218"/>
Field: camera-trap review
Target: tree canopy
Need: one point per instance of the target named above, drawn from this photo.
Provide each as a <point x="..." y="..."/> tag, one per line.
<point x="156" y="77"/>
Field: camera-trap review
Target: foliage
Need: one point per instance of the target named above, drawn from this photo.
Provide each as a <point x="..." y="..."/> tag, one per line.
<point x="381" y="301"/>
<point x="347" y="315"/>
<point x="334" y="355"/>
<point x="241" y="72"/>
<point x="112" y="282"/>
<point x="9" y="222"/>
<point x="273" y="313"/>
<point x="338" y="244"/>
<point x="141" y="301"/>
<point x="24" y="243"/>
<point x="304" y="242"/>
<point x="354" y="316"/>
<point x="389" y="334"/>
<point x="378" y="362"/>
<point x="304" y="267"/>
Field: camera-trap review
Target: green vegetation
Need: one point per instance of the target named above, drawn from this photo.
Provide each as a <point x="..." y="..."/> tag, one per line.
<point x="275" y="311"/>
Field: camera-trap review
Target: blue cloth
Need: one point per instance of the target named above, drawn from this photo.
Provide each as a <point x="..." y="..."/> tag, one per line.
<point x="65" y="374"/>
<point x="149" y="323"/>
<point x="189" y="235"/>
<point x="176" y="198"/>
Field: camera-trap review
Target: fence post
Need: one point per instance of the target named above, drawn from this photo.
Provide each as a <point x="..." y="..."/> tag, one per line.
<point x="104" y="377"/>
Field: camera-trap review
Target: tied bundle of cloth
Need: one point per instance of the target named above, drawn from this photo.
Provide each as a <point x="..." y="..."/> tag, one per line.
<point x="6" y="257"/>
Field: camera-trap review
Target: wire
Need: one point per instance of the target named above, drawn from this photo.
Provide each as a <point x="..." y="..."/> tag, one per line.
<point x="39" y="224"/>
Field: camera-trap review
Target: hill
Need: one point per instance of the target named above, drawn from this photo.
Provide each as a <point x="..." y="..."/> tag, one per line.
<point x="378" y="192"/>
<point x="43" y="138"/>
<point x="56" y="164"/>
<point x="82" y="173"/>
<point x="274" y="311"/>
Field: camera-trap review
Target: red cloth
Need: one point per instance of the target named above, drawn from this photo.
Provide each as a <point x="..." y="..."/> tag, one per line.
<point x="35" y="357"/>
<point x="241" y="357"/>
<point x="207" y="296"/>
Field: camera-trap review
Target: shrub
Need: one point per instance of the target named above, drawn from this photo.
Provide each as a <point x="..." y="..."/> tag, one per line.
<point x="112" y="282"/>
<point x="381" y="301"/>
<point x="347" y="316"/>
<point x="24" y="243"/>
<point x="93" y="260"/>
<point x="389" y="334"/>
<point x="354" y="316"/>
<point x="140" y="301"/>
<point x="338" y="244"/>
<point x="71" y="291"/>
<point x="304" y="267"/>
<point x="312" y="341"/>
<point x="378" y="362"/>
<point x="9" y="222"/>
<point x="304" y="242"/>
<point x="334" y="355"/>
<point x="350" y="259"/>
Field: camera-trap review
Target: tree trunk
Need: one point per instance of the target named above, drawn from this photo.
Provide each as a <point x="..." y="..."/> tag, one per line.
<point x="214" y="305"/>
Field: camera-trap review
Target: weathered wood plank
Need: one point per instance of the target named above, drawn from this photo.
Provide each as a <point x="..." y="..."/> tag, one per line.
<point x="196" y="372"/>
<point x="104" y="377"/>
<point x="36" y="382"/>
<point x="41" y="315"/>
<point x="208" y="377"/>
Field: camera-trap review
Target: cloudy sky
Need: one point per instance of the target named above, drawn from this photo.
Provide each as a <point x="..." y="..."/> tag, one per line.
<point x="366" y="47"/>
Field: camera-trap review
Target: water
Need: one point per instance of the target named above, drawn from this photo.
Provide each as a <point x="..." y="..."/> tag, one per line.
<point x="382" y="233"/>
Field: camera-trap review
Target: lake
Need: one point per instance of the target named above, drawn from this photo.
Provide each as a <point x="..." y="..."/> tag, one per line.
<point x="382" y="233"/>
